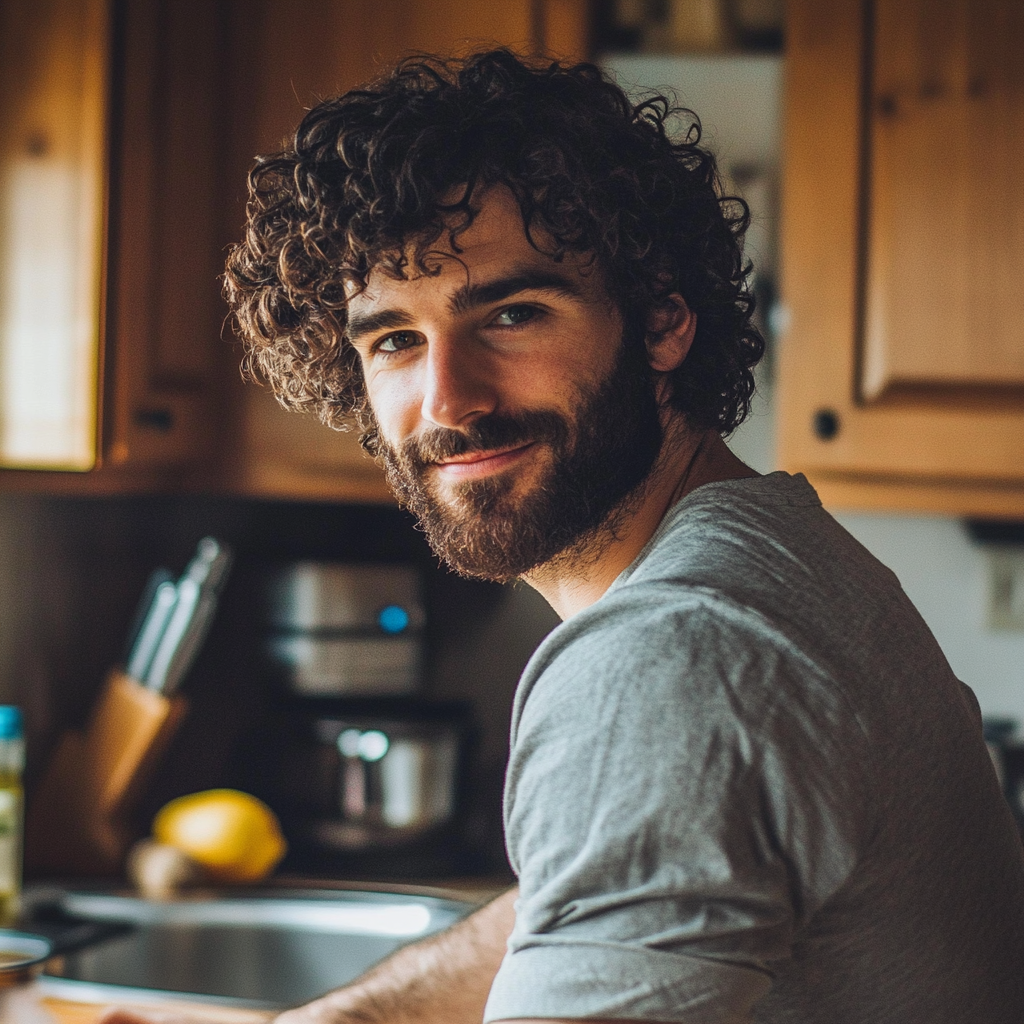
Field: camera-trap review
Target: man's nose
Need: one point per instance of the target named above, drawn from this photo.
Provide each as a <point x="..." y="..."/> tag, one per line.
<point x="459" y="385"/>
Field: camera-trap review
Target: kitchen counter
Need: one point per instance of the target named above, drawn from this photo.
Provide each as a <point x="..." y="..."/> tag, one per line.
<point x="35" y="1004"/>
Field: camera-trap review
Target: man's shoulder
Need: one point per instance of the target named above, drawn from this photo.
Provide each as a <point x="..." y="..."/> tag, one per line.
<point x="768" y="555"/>
<point x="748" y="589"/>
<point x="679" y="650"/>
<point x="763" y="520"/>
<point x="712" y="577"/>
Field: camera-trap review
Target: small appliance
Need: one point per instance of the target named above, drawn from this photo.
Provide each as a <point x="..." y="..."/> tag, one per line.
<point x="372" y="787"/>
<point x="346" y="630"/>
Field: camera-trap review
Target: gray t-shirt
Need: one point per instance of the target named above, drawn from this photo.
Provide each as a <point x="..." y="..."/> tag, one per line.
<point x="746" y="786"/>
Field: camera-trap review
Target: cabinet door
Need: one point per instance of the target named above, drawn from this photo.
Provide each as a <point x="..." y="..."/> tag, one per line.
<point x="53" y="118"/>
<point x="902" y="371"/>
<point x="112" y="171"/>
<point x="165" y="354"/>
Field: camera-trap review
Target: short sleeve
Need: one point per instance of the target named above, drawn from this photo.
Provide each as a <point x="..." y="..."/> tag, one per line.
<point x="685" y="789"/>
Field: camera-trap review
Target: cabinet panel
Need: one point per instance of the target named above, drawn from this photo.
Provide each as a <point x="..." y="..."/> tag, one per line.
<point x="445" y="26"/>
<point x="53" y="118"/>
<point x="292" y="455"/>
<point x="119" y="108"/>
<point x="167" y="101"/>
<point x="944" y="439"/>
<point x="164" y="342"/>
<point x="946" y="221"/>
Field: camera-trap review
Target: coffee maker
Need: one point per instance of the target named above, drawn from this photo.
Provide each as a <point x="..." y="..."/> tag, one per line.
<point x="367" y="774"/>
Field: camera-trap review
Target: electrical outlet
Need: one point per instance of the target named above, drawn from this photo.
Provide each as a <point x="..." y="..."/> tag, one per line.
<point x="1006" y="588"/>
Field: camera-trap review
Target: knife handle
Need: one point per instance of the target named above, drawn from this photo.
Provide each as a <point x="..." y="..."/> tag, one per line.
<point x="156" y="577"/>
<point x="165" y="597"/>
<point x="187" y="593"/>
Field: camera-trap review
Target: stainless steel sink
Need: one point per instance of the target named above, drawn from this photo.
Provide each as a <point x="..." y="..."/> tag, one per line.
<point x="272" y="950"/>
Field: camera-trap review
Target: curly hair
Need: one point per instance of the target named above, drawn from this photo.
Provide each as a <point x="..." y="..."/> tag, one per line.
<point x="378" y="175"/>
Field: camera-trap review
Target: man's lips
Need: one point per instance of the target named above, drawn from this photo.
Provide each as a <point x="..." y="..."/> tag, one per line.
<point x="472" y="465"/>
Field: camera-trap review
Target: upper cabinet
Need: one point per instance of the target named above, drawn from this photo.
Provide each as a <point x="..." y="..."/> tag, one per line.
<point x="902" y="369"/>
<point x="54" y="60"/>
<point x="127" y="128"/>
<point x="165" y="360"/>
<point x="110" y="317"/>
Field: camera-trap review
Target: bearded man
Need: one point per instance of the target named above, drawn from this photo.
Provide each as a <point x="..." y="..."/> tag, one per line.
<point x="744" y="783"/>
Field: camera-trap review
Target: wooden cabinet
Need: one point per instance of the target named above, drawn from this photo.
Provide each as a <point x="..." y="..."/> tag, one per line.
<point x="152" y="115"/>
<point x="53" y="94"/>
<point x="165" y="357"/>
<point x="182" y="95"/>
<point x="902" y="368"/>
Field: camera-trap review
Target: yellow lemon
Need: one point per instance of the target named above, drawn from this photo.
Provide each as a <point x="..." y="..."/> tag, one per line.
<point x="234" y="836"/>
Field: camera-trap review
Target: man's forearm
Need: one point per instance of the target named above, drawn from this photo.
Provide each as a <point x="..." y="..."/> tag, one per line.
<point x="443" y="979"/>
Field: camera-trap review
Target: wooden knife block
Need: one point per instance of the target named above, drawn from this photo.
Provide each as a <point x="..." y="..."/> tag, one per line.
<point x="78" y="817"/>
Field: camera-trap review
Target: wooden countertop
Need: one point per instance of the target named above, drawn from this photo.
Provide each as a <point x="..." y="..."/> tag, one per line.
<point x="31" y="1004"/>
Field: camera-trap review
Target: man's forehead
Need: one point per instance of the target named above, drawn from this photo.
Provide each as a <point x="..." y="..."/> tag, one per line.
<point x="480" y="274"/>
<point x="494" y="241"/>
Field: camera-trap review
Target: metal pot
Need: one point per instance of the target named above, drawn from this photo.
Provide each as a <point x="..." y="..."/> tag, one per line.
<point x="390" y="779"/>
<point x="395" y="780"/>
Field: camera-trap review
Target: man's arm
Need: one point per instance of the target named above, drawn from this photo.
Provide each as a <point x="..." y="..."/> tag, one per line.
<point x="444" y="979"/>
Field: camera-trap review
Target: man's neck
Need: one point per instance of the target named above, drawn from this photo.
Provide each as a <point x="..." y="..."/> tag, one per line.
<point x="687" y="462"/>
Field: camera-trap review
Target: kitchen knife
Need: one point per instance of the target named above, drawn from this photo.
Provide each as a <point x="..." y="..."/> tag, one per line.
<point x="190" y="619"/>
<point x="156" y="577"/>
<point x="161" y="607"/>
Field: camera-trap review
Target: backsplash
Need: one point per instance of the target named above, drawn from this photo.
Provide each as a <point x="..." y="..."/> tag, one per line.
<point x="72" y="569"/>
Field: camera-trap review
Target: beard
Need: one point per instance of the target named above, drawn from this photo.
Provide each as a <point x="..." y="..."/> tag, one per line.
<point x="600" y="458"/>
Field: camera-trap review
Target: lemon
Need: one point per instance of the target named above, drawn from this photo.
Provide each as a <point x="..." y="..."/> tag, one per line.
<point x="234" y="836"/>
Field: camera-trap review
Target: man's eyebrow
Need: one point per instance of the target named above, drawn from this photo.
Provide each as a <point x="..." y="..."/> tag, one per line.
<point x="358" y="326"/>
<point x="469" y="296"/>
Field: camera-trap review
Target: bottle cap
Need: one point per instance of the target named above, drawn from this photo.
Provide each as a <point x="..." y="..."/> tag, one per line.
<point x="10" y="722"/>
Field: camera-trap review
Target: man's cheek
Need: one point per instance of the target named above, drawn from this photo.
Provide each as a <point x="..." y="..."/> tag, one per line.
<point x="395" y="404"/>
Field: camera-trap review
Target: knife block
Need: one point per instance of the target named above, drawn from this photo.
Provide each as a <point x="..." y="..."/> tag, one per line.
<point x="78" y="820"/>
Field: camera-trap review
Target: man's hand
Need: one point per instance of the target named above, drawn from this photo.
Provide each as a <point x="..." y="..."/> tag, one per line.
<point x="444" y="979"/>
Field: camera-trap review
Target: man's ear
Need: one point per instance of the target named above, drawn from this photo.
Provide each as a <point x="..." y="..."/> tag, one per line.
<point x="670" y="332"/>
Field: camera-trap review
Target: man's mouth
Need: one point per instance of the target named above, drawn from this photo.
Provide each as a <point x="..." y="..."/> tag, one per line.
<point x="476" y="464"/>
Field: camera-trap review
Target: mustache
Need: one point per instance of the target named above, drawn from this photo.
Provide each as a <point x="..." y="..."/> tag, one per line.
<point x="495" y="430"/>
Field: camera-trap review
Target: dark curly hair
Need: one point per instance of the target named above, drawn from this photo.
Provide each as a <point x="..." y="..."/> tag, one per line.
<point x="378" y="175"/>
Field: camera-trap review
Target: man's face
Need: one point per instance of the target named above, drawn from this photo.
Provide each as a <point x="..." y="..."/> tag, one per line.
<point x="511" y="419"/>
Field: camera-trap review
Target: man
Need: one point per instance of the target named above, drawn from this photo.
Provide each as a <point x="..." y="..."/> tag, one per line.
<point x="744" y="784"/>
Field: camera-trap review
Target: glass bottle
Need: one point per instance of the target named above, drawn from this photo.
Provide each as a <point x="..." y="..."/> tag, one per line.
<point x="12" y="762"/>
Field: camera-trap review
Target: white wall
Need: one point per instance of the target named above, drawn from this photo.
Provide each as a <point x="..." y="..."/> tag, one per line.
<point x="946" y="575"/>
<point x="737" y="98"/>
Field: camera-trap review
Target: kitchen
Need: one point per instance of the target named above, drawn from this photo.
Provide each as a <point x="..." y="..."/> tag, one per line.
<point x="233" y="465"/>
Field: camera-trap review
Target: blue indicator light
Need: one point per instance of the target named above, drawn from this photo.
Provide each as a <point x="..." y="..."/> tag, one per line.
<point x="393" y="619"/>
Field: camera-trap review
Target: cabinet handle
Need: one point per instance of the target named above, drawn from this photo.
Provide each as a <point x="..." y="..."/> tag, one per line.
<point x="826" y="424"/>
<point x="160" y="420"/>
<point x="886" y="105"/>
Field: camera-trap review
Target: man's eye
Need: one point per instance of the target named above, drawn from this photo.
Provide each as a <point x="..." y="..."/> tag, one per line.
<point x="397" y="342"/>
<point x="515" y="315"/>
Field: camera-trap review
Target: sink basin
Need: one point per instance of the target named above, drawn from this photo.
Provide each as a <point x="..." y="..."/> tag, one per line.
<point x="261" y="950"/>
